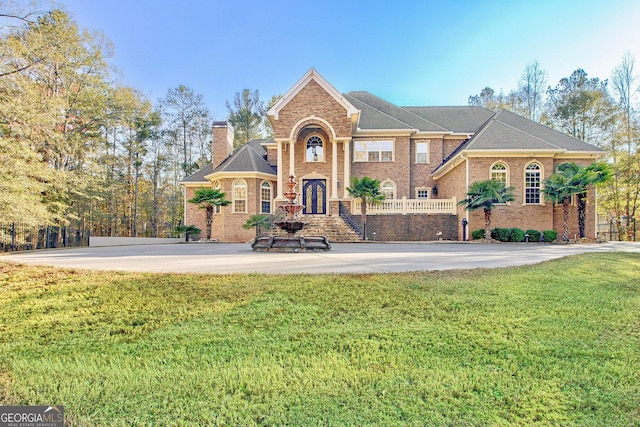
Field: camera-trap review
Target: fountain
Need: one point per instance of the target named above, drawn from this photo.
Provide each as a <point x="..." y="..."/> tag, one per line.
<point x="291" y="224"/>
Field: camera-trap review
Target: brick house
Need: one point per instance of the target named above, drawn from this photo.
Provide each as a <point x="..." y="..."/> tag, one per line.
<point x="425" y="158"/>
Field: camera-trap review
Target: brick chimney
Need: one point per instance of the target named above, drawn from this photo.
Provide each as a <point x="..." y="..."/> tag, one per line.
<point x="222" y="146"/>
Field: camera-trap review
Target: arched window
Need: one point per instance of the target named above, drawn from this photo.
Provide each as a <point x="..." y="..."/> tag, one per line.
<point x="265" y="197"/>
<point x="315" y="149"/>
<point x="388" y="188"/>
<point x="216" y="185"/>
<point x="239" y="196"/>
<point x="499" y="173"/>
<point x="532" y="180"/>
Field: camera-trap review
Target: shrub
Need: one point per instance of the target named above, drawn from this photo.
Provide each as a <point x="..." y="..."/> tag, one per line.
<point x="477" y="234"/>
<point x="517" y="235"/>
<point x="550" y="235"/>
<point x="501" y="234"/>
<point x="188" y="230"/>
<point x="534" y="235"/>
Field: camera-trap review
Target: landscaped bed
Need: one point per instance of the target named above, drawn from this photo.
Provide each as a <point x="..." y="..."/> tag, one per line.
<point x="555" y="343"/>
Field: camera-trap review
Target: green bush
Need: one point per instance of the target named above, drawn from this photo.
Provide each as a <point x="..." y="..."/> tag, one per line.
<point x="550" y="235"/>
<point x="501" y="234"/>
<point x="534" y="235"/>
<point x="477" y="234"/>
<point x="188" y="230"/>
<point x="517" y="235"/>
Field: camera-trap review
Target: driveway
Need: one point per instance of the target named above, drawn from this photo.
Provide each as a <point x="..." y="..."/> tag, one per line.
<point x="222" y="258"/>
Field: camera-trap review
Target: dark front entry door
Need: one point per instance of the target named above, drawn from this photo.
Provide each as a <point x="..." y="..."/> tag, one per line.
<point x="314" y="193"/>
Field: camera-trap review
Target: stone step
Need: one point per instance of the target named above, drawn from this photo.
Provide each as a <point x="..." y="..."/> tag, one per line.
<point x="332" y="227"/>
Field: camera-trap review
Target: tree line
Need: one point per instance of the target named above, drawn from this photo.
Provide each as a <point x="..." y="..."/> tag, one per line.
<point x="601" y="112"/>
<point x="78" y="147"/>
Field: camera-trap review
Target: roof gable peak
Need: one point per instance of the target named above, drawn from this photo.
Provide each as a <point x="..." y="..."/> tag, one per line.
<point x="312" y="74"/>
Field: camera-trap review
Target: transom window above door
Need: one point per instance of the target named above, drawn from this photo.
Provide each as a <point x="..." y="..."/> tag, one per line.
<point x="315" y="149"/>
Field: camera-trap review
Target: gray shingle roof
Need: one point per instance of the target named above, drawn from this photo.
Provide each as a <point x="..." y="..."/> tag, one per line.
<point x="249" y="157"/>
<point x="507" y="130"/>
<point x="377" y="105"/>
<point x="199" y="176"/>
<point x="462" y="119"/>
<point x="372" y="118"/>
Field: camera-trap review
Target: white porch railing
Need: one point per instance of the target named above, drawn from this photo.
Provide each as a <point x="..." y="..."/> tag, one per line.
<point x="408" y="206"/>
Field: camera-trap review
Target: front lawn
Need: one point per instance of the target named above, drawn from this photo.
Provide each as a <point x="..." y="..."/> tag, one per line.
<point x="556" y="344"/>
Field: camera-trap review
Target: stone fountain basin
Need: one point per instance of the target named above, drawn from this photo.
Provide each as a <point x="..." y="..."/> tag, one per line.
<point x="291" y="244"/>
<point x="290" y="226"/>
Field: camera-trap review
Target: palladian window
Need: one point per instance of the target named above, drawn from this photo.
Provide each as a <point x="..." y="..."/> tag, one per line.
<point x="532" y="180"/>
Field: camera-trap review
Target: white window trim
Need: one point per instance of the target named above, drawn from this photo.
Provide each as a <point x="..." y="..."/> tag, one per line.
<point x="270" y="197"/>
<point x="507" y="171"/>
<point x="246" y="199"/>
<point x="427" y="189"/>
<point x="321" y="159"/>
<point x="524" y="184"/>
<point x="427" y="142"/>
<point x="366" y="141"/>
<point x="395" y="187"/>
<point x="217" y="185"/>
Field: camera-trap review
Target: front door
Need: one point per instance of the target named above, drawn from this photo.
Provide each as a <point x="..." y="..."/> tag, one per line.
<point x="314" y="193"/>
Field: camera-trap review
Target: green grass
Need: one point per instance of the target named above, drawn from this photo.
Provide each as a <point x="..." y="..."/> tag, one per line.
<point x="551" y="344"/>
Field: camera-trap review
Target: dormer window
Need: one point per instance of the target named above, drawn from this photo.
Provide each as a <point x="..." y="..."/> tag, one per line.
<point x="315" y="149"/>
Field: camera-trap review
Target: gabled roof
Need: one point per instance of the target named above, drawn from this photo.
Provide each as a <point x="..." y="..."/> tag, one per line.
<point x="248" y="158"/>
<point x="378" y="112"/>
<point x="372" y="118"/>
<point x="509" y="132"/>
<point x="312" y="74"/>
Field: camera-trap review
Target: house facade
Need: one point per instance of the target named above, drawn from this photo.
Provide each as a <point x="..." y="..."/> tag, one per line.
<point x="425" y="158"/>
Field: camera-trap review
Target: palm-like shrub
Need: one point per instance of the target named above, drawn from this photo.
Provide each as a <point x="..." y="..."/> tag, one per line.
<point x="208" y="199"/>
<point x="485" y="195"/>
<point x="368" y="191"/>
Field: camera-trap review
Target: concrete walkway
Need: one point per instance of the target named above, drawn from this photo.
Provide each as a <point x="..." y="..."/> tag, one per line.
<point x="343" y="258"/>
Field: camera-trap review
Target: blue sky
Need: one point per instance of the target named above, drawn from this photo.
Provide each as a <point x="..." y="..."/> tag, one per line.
<point x="407" y="52"/>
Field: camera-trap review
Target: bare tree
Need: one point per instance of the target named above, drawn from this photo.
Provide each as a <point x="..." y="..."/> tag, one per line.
<point x="531" y="89"/>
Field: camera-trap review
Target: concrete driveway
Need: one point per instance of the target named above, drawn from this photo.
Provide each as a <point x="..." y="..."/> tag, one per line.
<point x="221" y="258"/>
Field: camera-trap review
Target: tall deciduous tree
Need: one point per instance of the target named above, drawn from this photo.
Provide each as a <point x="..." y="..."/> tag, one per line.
<point x="51" y="103"/>
<point x="580" y="106"/>
<point x="531" y="90"/>
<point x="187" y="123"/>
<point x="246" y="115"/>
<point x="625" y="144"/>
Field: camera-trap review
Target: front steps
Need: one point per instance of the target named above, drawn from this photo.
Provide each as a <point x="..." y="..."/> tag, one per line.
<point x="332" y="227"/>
